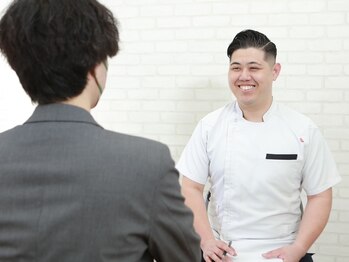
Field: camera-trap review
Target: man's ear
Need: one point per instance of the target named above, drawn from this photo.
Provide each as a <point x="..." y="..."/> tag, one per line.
<point x="91" y="76"/>
<point x="276" y="70"/>
<point x="92" y="72"/>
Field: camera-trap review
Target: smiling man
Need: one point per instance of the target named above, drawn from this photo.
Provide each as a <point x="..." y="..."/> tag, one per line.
<point x="258" y="156"/>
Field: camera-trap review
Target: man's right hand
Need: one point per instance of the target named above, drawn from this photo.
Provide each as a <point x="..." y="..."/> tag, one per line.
<point x="215" y="250"/>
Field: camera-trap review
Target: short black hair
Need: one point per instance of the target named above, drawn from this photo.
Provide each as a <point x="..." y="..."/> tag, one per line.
<point x="251" y="38"/>
<point x="53" y="44"/>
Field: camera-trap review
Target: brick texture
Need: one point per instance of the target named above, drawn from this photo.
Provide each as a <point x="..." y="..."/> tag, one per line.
<point x="172" y="70"/>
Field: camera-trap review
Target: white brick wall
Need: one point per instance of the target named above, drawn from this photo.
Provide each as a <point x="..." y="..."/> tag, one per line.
<point x="172" y="68"/>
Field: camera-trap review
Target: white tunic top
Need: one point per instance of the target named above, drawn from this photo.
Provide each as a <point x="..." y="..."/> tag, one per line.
<point x="257" y="172"/>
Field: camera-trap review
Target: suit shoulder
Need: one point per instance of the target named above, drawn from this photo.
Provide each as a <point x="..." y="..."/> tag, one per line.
<point x="138" y="144"/>
<point x="134" y="138"/>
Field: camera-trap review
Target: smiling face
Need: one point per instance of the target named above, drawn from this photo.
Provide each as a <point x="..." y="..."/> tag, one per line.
<point x="250" y="78"/>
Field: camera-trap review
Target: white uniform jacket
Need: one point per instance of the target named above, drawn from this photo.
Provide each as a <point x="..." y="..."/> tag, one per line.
<point x="257" y="172"/>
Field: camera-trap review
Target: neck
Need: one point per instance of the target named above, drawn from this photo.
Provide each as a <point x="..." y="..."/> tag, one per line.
<point x="81" y="100"/>
<point x="255" y="114"/>
<point x="75" y="102"/>
<point x="88" y="98"/>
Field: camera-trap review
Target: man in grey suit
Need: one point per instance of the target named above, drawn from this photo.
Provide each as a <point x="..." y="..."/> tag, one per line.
<point x="71" y="191"/>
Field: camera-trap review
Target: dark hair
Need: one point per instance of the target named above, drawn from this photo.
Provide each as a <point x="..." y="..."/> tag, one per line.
<point x="250" y="38"/>
<point x="53" y="44"/>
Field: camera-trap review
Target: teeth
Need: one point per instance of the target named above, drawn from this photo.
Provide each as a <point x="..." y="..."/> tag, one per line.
<point x="246" y="87"/>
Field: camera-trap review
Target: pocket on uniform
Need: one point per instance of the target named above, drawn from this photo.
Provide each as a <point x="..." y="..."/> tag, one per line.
<point x="281" y="156"/>
<point x="283" y="170"/>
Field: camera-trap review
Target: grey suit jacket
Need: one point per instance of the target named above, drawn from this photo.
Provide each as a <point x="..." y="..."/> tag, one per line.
<point x="71" y="191"/>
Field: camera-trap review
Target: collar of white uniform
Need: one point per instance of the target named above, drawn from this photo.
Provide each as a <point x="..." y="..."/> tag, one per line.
<point x="239" y="115"/>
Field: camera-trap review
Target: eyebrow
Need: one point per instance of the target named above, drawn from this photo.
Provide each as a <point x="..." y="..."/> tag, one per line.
<point x="250" y="63"/>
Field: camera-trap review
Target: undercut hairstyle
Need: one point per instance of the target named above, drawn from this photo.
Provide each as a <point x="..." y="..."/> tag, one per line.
<point x="52" y="45"/>
<point x="250" y="38"/>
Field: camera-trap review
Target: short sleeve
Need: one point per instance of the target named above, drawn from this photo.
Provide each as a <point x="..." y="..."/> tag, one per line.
<point x="319" y="170"/>
<point x="194" y="162"/>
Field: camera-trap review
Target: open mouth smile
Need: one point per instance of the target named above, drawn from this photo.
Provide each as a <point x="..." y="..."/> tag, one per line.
<point x="246" y="88"/>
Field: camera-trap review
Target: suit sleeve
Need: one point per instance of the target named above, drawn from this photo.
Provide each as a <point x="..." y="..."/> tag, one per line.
<point x="172" y="236"/>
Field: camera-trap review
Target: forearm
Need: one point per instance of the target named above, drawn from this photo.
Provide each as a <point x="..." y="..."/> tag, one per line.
<point x="195" y="201"/>
<point x="314" y="219"/>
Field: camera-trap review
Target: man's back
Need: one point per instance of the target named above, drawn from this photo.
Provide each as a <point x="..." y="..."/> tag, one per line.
<point x="72" y="191"/>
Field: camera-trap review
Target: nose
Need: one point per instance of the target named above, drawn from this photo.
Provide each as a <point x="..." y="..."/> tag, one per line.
<point x="245" y="75"/>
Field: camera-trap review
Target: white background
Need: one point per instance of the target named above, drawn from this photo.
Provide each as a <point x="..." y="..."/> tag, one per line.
<point x="172" y="69"/>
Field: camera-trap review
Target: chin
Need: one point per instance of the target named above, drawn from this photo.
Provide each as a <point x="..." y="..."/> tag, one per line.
<point x="247" y="102"/>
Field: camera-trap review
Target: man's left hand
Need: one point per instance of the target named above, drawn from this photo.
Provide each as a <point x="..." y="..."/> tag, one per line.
<point x="291" y="253"/>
